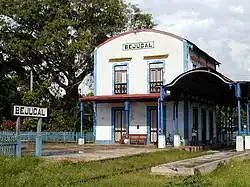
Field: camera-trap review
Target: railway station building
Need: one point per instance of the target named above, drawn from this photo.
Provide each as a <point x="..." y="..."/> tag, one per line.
<point x="154" y="87"/>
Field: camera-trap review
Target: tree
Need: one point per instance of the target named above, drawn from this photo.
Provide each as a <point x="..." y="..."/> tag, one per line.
<point x="55" y="39"/>
<point x="8" y="95"/>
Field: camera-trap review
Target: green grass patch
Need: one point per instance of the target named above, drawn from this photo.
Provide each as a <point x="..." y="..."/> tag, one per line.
<point x="235" y="174"/>
<point x="32" y="172"/>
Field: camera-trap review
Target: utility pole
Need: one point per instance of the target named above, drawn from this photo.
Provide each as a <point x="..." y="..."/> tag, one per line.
<point x="31" y="80"/>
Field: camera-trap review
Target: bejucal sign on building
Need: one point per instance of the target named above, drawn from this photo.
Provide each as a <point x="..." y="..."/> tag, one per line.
<point x="139" y="45"/>
<point x="29" y="111"/>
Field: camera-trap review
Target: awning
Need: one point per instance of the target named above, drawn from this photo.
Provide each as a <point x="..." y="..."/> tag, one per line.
<point x="206" y="83"/>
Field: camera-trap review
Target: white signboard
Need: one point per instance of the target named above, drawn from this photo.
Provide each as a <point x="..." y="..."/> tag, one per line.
<point x="139" y="45"/>
<point x="29" y="111"/>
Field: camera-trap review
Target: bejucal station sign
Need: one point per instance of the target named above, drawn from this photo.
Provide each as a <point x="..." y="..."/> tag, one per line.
<point x="29" y="111"/>
<point x="139" y="45"/>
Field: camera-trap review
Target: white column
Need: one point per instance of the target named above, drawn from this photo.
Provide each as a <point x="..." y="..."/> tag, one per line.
<point x="239" y="143"/>
<point x="247" y="142"/>
<point x="161" y="141"/>
<point x="177" y="141"/>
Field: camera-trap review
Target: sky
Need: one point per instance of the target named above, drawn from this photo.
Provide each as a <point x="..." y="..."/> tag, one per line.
<point x="219" y="27"/>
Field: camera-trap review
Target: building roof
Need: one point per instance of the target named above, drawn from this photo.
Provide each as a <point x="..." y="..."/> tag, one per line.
<point x="195" y="47"/>
<point x="206" y="83"/>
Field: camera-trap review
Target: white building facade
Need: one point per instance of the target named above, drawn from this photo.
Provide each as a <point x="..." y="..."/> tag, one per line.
<point x="129" y="70"/>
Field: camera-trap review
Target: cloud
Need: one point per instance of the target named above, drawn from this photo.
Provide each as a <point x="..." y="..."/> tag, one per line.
<point x="220" y="27"/>
<point x="236" y="9"/>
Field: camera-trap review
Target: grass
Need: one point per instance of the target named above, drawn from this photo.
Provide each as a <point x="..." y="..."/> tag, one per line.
<point x="131" y="171"/>
<point x="235" y="174"/>
<point x="32" y="172"/>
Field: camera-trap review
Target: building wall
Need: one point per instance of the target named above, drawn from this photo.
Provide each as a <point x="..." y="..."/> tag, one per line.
<point x="138" y="67"/>
<point x="103" y="124"/>
<point x="138" y="117"/>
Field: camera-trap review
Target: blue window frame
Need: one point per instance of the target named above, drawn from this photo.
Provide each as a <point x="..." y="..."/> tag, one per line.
<point x="156" y="75"/>
<point x="120" y="79"/>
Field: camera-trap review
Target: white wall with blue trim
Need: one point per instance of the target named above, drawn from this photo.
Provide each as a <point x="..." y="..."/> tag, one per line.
<point x="137" y="71"/>
<point x="178" y="61"/>
<point x="103" y="124"/>
<point x="138" y="120"/>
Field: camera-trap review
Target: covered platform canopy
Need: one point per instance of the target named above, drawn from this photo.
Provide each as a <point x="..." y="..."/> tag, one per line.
<point x="204" y="83"/>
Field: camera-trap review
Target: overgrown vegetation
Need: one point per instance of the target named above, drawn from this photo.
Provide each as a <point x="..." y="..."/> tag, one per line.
<point x="55" y="40"/>
<point x="31" y="172"/>
<point x="131" y="171"/>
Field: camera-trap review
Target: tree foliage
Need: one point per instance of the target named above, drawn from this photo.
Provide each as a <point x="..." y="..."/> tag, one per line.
<point x="55" y="40"/>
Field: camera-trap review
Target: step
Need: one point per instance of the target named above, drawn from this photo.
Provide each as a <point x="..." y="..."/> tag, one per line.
<point x="198" y="165"/>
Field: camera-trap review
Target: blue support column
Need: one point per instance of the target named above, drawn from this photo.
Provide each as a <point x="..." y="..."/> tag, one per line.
<point x="127" y="118"/>
<point x="161" y="108"/>
<point x="94" y="117"/>
<point x="82" y="118"/>
<point x="174" y="116"/>
<point x="248" y="119"/>
<point x="186" y="118"/>
<point x="161" y="136"/>
<point x="159" y="117"/>
<point x="39" y="138"/>
<point x="161" y="112"/>
<point x="238" y="94"/>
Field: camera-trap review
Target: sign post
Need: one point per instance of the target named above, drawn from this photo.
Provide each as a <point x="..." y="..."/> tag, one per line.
<point x="39" y="138"/>
<point x="18" y="137"/>
<point x="29" y="111"/>
<point x="81" y="139"/>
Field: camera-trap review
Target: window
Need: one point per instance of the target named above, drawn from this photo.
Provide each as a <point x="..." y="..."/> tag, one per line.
<point x="156" y="77"/>
<point x="120" y="79"/>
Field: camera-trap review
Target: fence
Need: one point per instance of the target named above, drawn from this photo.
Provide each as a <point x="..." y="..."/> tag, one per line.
<point x="8" y="145"/>
<point x="52" y="136"/>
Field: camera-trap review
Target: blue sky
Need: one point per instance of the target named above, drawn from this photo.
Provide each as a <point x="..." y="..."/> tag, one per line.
<point x="219" y="27"/>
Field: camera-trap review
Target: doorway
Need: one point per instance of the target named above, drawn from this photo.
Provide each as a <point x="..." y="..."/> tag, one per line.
<point x="119" y="124"/>
<point x="153" y="120"/>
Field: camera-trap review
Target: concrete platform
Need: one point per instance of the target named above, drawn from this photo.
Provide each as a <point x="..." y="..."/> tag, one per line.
<point x="198" y="165"/>
<point x="101" y="154"/>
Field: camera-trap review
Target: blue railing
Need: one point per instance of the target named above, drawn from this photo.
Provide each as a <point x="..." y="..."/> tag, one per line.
<point x="54" y="136"/>
<point x="8" y="145"/>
